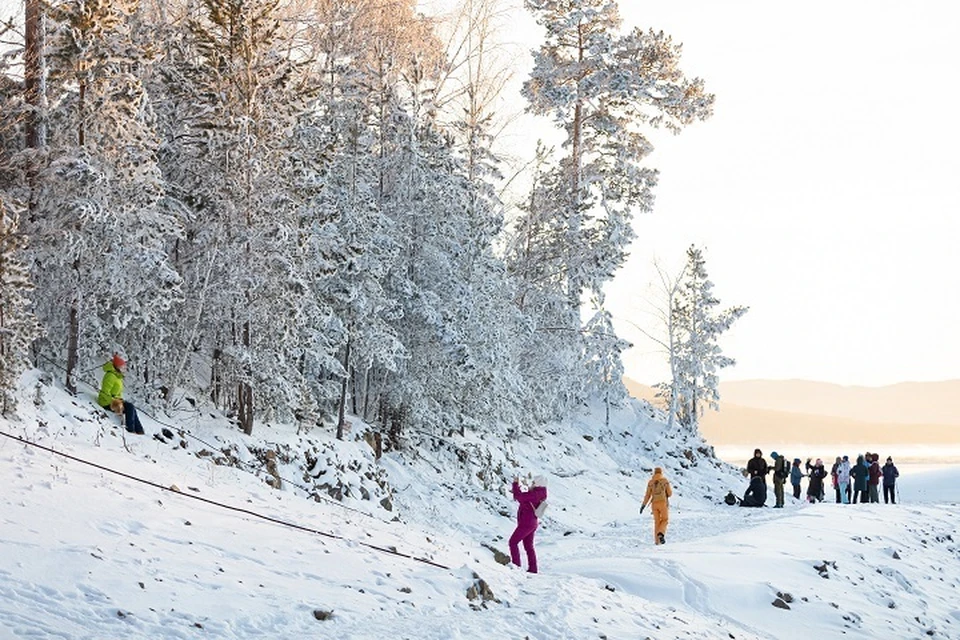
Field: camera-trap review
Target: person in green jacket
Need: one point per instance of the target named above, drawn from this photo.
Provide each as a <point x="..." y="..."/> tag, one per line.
<point x="111" y="394"/>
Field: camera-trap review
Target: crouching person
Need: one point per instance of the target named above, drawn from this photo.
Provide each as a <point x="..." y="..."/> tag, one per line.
<point x="756" y="493"/>
<point x="111" y="394"/>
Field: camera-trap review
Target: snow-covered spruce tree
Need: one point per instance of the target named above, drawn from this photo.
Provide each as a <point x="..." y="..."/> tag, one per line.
<point x="99" y="229"/>
<point x="603" y="358"/>
<point x="428" y="207"/>
<point x="18" y="325"/>
<point x="231" y="100"/>
<point x="422" y="194"/>
<point x="602" y="89"/>
<point x="352" y="244"/>
<point x="469" y="101"/>
<point x="697" y="357"/>
<point x="548" y="342"/>
<point x="12" y="135"/>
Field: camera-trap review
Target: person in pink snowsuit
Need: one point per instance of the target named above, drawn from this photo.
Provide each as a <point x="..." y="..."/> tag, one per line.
<point x="527" y="520"/>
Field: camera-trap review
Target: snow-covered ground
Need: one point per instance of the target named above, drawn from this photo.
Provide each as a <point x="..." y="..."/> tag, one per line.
<point x="88" y="553"/>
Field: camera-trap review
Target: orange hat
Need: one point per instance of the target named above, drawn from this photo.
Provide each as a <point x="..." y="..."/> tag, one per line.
<point x="118" y="362"/>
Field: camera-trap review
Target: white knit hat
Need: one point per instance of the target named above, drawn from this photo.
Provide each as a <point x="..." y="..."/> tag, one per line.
<point x="540" y="481"/>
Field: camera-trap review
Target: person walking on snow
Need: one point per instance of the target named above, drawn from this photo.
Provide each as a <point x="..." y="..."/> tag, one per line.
<point x="658" y="497"/>
<point x="890" y="475"/>
<point x="527" y="521"/>
<point x="795" y="475"/>
<point x="781" y="470"/>
<point x="111" y="394"/>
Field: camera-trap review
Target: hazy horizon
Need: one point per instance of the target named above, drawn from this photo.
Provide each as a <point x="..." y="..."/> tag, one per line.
<point x="825" y="382"/>
<point x="781" y="413"/>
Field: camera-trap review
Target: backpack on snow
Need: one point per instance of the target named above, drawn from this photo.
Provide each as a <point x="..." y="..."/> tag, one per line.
<point x="731" y="499"/>
<point x="540" y="509"/>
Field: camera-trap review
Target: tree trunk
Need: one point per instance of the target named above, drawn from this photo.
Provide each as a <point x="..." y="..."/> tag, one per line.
<point x="73" y="341"/>
<point x="245" y="391"/>
<point x="343" y="392"/>
<point x="245" y="407"/>
<point x="35" y="90"/>
<point x="354" y="380"/>
<point x="366" y="394"/>
<point x="215" y="378"/>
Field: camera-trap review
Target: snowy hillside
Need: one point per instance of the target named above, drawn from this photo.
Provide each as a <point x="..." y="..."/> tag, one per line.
<point x="200" y="546"/>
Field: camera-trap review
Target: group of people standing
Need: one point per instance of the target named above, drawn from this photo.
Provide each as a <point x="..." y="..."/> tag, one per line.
<point x="852" y="483"/>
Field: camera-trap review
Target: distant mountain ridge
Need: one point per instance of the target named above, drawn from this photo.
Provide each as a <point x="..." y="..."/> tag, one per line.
<point x="902" y="403"/>
<point x="791" y="411"/>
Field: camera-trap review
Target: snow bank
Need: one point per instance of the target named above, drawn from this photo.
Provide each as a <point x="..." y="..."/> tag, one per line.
<point x="90" y="554"/>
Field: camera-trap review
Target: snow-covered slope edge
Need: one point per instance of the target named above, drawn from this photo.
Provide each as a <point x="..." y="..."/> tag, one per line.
<point x="87" y="554"/>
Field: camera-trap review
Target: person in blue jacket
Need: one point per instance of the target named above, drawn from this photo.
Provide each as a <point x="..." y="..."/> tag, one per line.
<point x="859" y="472"/>
<point x="795" y="475"/>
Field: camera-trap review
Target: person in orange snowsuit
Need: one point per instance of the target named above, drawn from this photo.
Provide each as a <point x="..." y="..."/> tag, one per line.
<point x="658" y="496"/>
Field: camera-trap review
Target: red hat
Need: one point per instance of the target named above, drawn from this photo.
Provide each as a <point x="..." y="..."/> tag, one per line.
<point x="118" y="362"/>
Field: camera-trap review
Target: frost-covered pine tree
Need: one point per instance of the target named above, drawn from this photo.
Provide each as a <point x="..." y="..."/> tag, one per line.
<point x="601" y="89"/>
<point x="603" y="352"/>
<point x="18" y="325"/>
<point x="100" y="227"/>
<point x="469" y="102"/>
<point x="604" y="90"/>
<point x="697" y="357"/>
<point x="351" y="237"/>
<point x="229" y="104"/>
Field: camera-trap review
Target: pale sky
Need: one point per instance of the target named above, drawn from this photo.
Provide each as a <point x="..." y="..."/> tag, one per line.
<point x="823" y="189"/>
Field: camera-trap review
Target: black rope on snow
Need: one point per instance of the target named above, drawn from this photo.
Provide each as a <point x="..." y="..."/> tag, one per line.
<point x="248" y="512"/>
<point x="241" y="464"/>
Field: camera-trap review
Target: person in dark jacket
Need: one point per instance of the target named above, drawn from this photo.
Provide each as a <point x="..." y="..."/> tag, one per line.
<point x="809" y="466"/>
<point x="756" y="494"/>
<point x="859" y="474"/>
<point x="873" y="477"/>
<point x="781" y="470"/>
<point x="890" y="475"/>
<point x="757" y="466"/>
<point x="795" y="475"/>
<point x="815" y="486"/>
<point x="527" y="520"/>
